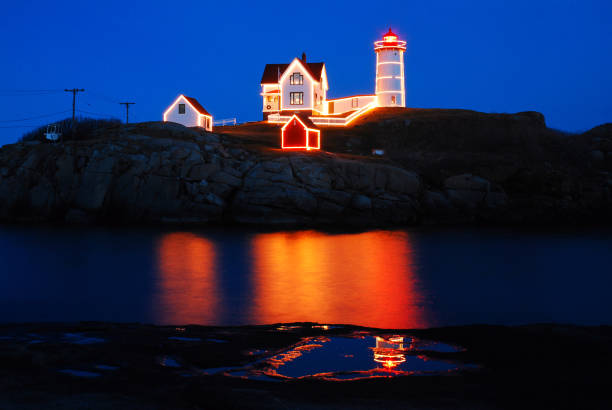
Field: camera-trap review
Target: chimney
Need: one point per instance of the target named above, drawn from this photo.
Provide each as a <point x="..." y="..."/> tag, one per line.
<point x="304" y="58"/>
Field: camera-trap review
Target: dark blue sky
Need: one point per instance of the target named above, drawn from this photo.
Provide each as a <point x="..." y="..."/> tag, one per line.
<point x="494" y="56"/>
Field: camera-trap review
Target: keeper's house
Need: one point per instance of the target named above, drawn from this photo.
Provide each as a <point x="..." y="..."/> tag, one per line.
<point x="188" y="112"/>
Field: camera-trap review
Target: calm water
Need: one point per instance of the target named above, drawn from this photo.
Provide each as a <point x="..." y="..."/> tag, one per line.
<point x="388" y="279"/>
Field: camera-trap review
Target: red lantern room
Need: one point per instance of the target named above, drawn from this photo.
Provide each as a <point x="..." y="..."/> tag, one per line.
<point x="300" y="133"/>
<point x="390" y="40"/>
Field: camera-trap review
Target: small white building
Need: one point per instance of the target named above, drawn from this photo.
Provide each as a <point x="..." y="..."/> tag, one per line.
<point x="188" y="112"/>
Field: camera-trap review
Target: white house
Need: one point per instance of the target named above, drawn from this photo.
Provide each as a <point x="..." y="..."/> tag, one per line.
<point x="188" y="112"/>
<point x="298" y="86"/>
<point x="301" y="87"/>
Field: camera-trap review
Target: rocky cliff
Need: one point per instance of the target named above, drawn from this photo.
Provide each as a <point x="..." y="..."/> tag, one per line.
<point x="156" y="172"/>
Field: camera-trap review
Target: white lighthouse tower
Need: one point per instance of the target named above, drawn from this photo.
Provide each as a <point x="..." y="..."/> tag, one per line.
<point x="390" y="90"/>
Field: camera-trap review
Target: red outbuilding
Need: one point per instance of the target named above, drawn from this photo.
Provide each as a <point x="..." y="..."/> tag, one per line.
<point x="300" y="133"/>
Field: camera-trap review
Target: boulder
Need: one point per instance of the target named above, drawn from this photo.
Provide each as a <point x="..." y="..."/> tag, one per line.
<point x="467" y="182"/>
<point x="361" y="202"/>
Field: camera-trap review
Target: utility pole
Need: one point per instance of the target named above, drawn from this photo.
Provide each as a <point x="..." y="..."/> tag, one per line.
<point x="127" y="110"/>
<point x="74" y="92"/>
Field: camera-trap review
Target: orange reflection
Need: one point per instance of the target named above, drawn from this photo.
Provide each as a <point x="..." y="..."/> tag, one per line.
<point x="187" y="287"/>
<point x="389" y="351"/>
<point x="364" y="279"/>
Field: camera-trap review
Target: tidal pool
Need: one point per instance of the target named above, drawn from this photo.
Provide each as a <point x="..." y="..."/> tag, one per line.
<point x="350" y="358"/>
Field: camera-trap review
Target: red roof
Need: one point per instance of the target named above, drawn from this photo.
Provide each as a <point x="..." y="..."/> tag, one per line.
<point x="273" y="72"/>
<point x="197" y="105"/>
<point x="306" y="121"/>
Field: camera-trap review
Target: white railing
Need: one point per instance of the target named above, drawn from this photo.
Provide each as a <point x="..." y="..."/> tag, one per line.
<point x="323" y="120"/>
<point x="278" y="119"/>
<point x="225" y="121"/>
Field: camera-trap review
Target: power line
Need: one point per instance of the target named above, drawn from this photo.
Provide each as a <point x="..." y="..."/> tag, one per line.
<point x="103" y="97"/>
<point x="12" y="95"/>
<point x="97" y="113"/>
<point x="29" y="91"/>
<point x="39" y="116"/>
<point x="23" y="126"/>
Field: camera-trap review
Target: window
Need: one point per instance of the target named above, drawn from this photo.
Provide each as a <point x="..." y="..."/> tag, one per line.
<point x="270" y="98"/>
<point x="181" y="108"/>
<point x="393" y="99"/>
<point x="355" y="103"/>
<point x="296" y="79"/>
<point x="297" y="98"/>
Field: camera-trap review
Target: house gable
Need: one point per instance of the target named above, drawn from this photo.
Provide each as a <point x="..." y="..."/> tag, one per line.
<point x="297" y="97"/>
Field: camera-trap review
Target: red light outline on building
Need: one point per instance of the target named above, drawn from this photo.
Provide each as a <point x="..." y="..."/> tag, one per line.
<point x="308" y="130"/>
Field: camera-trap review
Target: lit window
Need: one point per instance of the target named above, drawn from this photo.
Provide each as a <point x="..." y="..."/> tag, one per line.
<point x="270" y="98"/>
<point x="181" y="108"/>
<point x="355" y="102"/>
<point x="297" y="98"/>
<point x="393" y="99"/>
<point x="296" y="79"/>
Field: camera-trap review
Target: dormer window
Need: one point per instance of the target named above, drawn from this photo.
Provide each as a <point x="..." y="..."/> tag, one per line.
<point x="181" y="108"/>
<point x="296" y="79"/>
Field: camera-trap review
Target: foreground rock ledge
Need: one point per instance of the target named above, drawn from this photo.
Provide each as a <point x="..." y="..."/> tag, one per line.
<point x="166" y="173"/>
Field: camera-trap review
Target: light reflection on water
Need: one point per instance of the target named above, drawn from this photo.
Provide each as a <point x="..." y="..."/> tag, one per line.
<point x="188" y="288"/>
<point x="347" y="357"/>
<point x="391" y="279"/>
<point x="366" y="278"/>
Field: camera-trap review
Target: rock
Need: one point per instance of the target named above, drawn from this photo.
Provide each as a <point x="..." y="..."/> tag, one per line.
<point x="436" y="201"/>
<point x="222" y="190"/>
<point x="496" y="199"/>
<point x="165" y="172"/>
<point x="223" y="177"/>
<point x="467" y="191"/>
<point x="463" y="198"/>
<point x="361" y="202"/>
<point x="78" y="216"/>
<point x="400" y="180"/>
<point x="597" y="155"/>
<point x="201" y="172"/>
<point x="275" y="166"/>
<point x="214" y="199"/>
<point x="329" y="209"/>
<point x="467" y="182"/>
<point x="42" y="196"/>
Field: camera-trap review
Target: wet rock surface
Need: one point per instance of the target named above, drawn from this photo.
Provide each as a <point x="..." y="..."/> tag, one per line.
<point x="166" y="173"/>
<point x="106" y="365"/>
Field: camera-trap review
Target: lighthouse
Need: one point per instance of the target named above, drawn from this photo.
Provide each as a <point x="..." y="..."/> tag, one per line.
<point x="390" y="90"/>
